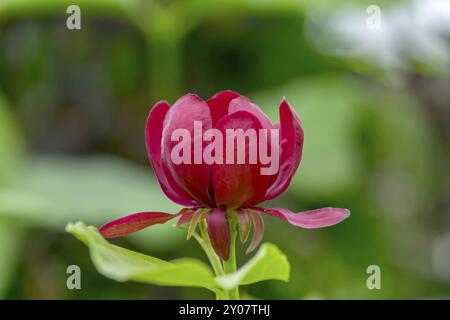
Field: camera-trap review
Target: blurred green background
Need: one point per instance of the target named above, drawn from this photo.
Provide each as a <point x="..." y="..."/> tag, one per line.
<point x="375" y="105"/>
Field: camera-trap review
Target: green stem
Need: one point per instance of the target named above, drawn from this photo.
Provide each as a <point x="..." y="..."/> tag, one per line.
<point x="163" y="35"/>
<point x="165" y="66"/>
<point x="221" y="267"/>
<point x="205" y="242"/>
<point x="230" y="266"/>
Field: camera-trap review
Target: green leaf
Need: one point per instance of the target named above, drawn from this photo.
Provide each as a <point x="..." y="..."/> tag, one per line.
<point x="122" y="265"/>
<point x="269" y="263"/>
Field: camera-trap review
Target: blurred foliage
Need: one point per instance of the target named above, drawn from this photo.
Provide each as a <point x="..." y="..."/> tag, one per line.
<point x="10" y="233"/>
<point x="73" y="106"/>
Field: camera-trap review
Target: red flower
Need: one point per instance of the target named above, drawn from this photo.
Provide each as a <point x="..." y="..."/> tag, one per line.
<point x="209" y="189"/>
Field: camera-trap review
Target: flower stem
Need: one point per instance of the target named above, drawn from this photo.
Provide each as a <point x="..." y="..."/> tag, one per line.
<point x="205" y="243"/>
<point x="219" y="266"/>
<point x="230" y="266"/>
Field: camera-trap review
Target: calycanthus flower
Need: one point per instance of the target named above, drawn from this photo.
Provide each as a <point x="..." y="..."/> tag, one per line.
<point x="212" y="181"/>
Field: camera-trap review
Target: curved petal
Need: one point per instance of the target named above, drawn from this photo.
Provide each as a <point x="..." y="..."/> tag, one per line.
<point x="311" y="219"/>
<point x="194" y="178"/>
<point x="291" y="144"/>
<point x="258" y="230"/>
<point x="186" y="215"/>
<point x="153" y="134"/>
<point x="237" y="184"/>
<point x="244" y="104"/>
<point x="218" y="104"/>
<point x="134" y="222"/>
<point x="219" y="232"/>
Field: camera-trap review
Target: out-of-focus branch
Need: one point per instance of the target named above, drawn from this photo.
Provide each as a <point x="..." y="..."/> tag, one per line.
<point x="26" y="8"/>
<point x="164" y="25"/>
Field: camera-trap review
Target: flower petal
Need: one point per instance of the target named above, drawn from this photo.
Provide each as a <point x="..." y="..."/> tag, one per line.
<point x="194" y="178"/>
<point x="186" y="215"/>
<point x="153" y="133"/>
<point x="291" y="145"/>
<point x="244" y="104"/>
<point x="134" y="222"/>
<point x="237" y="184"/>
<point x="311" y="219"/>
<point x="219" y="232"/>
<point x="218" y="104"/>
<point x="258" y="230"/>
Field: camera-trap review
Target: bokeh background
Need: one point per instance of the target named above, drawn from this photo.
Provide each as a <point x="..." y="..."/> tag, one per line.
<point x="375" y="104"/>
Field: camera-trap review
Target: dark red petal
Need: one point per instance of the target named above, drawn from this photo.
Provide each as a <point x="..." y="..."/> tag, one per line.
<point x="291" y="145"/>
<point x="186" y="215"/>
<point x="194" y="178"/>
<point x="219" y="232"/>
<point x="236" y="184"/>
<point x="153" y="133"/>
<point x="218" y="104"/>
<point x="258" y="230"/>
<point x="134" y="222"/>
<point x="311" y="219"/>
<point x="244" y="104"/>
